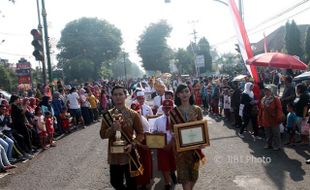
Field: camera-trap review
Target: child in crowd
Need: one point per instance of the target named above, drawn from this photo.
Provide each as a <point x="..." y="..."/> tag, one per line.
<point x="41" y="128"/>
<point x="291" y="124"/>
<point x="165" y="157"/>
<point x="65" y="120"/>
<point x="50" y="128"/>
<point x="227" y="104"/>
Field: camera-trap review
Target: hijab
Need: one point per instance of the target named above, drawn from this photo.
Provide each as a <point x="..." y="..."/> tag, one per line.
<point x="247" y="89"/>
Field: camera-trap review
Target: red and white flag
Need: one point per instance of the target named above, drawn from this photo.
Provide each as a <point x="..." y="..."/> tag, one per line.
<point x="265" y="44"/>
<point x="243" y="40"/>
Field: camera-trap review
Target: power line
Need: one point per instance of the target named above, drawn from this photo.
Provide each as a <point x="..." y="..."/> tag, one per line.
<point x="271" y="25"/>
<point x="279" y="14"/>
<point x="14" y="54"/>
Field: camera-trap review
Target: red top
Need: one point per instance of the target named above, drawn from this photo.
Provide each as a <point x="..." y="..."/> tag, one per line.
<point x="49" y="124"/>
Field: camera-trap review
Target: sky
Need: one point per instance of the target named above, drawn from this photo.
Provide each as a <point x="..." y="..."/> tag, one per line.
<point x="209" y="18"/>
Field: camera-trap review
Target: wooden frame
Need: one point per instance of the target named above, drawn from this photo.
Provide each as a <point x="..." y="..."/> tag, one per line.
<point x="151" y="119"/>
<point x="155" y="140"/>
<point x="152" y="116"/>
<point x="191" y="135"/>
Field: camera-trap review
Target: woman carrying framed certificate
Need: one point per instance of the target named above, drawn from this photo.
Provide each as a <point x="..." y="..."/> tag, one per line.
<point x="187" y="160"/>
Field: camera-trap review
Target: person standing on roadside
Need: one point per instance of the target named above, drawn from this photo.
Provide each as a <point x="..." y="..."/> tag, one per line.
<point x="288" y="94"/>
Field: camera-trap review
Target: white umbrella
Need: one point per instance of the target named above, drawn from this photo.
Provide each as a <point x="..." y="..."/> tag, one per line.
<point x="303" y="76"/>
<point x="239" y="77"/>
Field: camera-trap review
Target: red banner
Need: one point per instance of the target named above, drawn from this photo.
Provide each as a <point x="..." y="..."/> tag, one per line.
<point x="243" y="40"/>
<point x="24" y="80"/>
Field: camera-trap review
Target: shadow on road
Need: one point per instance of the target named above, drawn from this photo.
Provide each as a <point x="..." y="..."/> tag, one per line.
<point x="279" y="164"/>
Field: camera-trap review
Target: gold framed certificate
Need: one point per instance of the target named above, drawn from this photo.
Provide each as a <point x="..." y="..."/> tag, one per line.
<point x="191" y="135"/>
<point x="155" y="140"/>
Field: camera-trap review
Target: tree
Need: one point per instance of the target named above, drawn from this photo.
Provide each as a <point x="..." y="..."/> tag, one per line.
<point x="204" y="49"/>
<point x="153" y="48"/>
<point x="185" y="61"/>
<point x="80" y="69"/>
<point x="8" y="80"/>
<point x="231" y="64"/>
<point x="118" y="68"/>
<point x="292" y="40"/>
<point x="307" y="46"/>
<point x="90" y="40"/>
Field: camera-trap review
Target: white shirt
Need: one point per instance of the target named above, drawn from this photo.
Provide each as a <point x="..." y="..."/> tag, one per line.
<point x="160" y="126"/>
<point x="73" y="100"/>
<point x="146" y="110"/>
<point x="160" y="110"/>
<point x="158" y="100"/>
<point x="145" y="124"/>
<point x="227" y="102"/>
<point x="5" y="128"/>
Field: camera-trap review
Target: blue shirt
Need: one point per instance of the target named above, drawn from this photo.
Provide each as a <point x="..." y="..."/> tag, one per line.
<point x="291" y="120"/>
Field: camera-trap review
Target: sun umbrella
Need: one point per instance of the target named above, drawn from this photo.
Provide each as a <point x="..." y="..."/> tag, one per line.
<point x="239" y="77"/>
<point x="277" y="60"/>
<point x="303" y="76"/>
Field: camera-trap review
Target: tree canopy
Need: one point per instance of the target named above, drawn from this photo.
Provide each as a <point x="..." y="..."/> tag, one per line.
<point x="307" y="46"/>
<point x="121" y="63"/>
<point x="185" y="61"/>
<point x="204" y="49"/>
<point x="153" y="48"/>
<point x="8" y="79"/>
<point x="86" y="45"/>
<point x="292" y="40"/>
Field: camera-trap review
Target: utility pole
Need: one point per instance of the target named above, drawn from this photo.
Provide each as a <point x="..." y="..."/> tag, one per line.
<point x="40" y="30"/>
<point x="195" y="41"/>
<point x="47" y="47"/>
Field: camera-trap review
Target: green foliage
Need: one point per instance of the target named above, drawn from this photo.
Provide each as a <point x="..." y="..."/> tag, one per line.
<point x="185" y="61"/>
<point x="204" y="49"/>
<point x="79" y="69"/>
<point x="153" y="48"/>
<point x="292" y="40"/>
<point x="231" y="64"/>
<point x="8" y="80"/>
<point x="90" y="40"/>
<point x="307" y="46"/>
<point x="118" y="68"/>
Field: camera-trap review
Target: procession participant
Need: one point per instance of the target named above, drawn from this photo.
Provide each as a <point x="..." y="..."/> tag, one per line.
<point x="187" y="162"/>
<point x="122" y="165"/>
<point x="144" y="152"/>
<point x="146" y="110"/>
<point x="160" y="89"/>
<point x="163" y="125"/>
<point x="168" y="96"/>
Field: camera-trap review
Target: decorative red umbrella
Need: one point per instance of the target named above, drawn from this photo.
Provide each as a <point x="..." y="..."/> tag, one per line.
<point x="277" y="60"/>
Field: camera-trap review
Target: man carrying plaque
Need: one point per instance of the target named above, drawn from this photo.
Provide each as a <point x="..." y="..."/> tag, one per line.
<point x="118" y="125"/>
<point x="163" y="125"/>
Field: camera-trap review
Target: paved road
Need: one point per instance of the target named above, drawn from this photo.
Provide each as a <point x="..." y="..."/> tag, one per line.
<point x="79" y="162"/>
